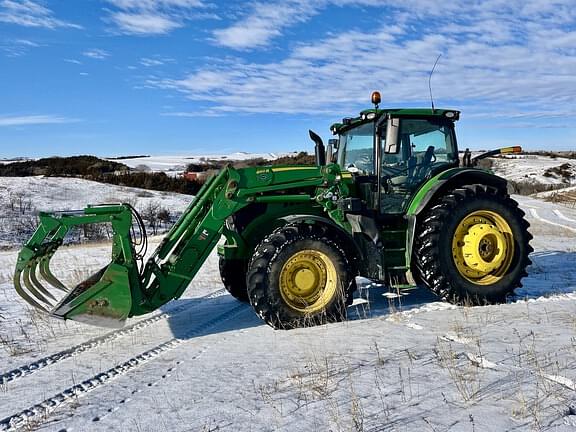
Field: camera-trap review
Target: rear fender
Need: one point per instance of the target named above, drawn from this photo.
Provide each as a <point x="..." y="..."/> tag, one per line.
<point x="448" y="180"/>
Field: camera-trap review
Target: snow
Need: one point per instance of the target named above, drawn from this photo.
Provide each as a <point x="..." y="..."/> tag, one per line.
<point x="55" y="193"/>
<point x="178" y="163"/>
<point x="205" y="362"/>
<point x="531" y="168"/>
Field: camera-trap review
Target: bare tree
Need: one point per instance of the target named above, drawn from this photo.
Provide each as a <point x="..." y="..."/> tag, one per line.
<point x="164" y="216"/>
<point x="18" y="201"/>
<point x="150" y="214"/>
<point x="142" y="168"/>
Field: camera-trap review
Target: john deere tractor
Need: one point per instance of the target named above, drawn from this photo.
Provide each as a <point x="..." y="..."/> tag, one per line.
<point x="388" y="199"/>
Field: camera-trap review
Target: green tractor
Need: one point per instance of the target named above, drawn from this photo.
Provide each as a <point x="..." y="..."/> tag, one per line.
<point x="388" y="199"/>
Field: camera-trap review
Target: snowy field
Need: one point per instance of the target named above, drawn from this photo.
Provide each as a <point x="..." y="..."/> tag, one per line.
<point x="55" y="194"/>
<point x="177" y="163"/>
<point x="206" y="363"/>
<point x="532" y="169"/>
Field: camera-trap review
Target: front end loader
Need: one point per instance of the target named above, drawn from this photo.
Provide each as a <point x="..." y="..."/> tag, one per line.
<point x="389" y="199"/>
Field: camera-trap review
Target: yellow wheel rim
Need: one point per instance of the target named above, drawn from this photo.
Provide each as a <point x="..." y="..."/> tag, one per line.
<point x="483" y="247"/>
<point x="308" y="281"/>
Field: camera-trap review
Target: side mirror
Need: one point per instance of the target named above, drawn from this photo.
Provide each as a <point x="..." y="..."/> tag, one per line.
<point x="392" y="136"/>
<point x="331" y="150"/>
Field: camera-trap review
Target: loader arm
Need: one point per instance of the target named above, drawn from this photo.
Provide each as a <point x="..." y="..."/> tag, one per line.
<point x="122" y="289"/>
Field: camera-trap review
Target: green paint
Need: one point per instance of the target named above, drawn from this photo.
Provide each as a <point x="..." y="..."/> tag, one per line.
<point x="267" y="197"/>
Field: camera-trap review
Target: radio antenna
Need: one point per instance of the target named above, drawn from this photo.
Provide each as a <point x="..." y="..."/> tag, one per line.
<point x="430" y="80"/>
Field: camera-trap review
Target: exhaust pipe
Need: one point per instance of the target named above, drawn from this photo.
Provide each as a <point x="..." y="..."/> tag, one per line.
<point x="320" y="150"/>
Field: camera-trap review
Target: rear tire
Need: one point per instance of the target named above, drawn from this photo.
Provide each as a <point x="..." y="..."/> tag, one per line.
<point x="233" y="274"/>
<point x="472" y="246"/>
<point x="299" y="277"/>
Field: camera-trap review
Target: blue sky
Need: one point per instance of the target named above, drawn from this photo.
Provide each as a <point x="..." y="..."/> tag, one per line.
<point x="117" y="77"/>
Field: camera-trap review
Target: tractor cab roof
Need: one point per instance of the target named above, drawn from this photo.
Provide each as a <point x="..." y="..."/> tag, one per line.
<point x="371" y="114"/>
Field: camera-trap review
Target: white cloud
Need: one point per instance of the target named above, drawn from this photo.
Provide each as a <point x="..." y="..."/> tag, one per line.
<point x="265" y="22"/>
<point x="144" y="23"/>
<point x="149" y="62"/>
<point x="17" y="47"/>
<point x="155" y="4"/>
<point x="267" y="19"/>
<point x="155" y="61"/>
<point x="193" y="114"/>
<point x="34" y="120"/>
<point x="498" y="54"/>
<point x="30" y="13"/>
<point x="151" y="17"/>
<point x="96" y="53"/>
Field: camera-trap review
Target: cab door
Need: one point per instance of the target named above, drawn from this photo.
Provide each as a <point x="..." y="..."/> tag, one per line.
<point x="413" y="150"/>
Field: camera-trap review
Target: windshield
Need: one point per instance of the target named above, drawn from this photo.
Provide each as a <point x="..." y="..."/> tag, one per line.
<point x="355" y="151"/>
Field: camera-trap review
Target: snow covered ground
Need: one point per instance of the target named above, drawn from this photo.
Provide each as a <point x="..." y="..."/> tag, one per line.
<point x="55" y="193"/>
<point x="207" y="363"/>
<point x="532" y="169"/>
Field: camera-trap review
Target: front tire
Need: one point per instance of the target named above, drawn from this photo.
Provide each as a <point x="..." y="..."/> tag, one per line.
<point x="472" y="246"/>
<point x="299" y="277"/>
<point x="233" y="275"/>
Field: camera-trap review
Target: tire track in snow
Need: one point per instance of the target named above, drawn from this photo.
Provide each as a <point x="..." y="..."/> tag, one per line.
<point x="535" y="215"/>
<point x="39" y="413"/>
<point x="30" y="368"/>
<point x="563" y="217"/>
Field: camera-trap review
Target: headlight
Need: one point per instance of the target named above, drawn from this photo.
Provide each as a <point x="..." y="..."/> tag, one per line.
<point x="368" y="116"/>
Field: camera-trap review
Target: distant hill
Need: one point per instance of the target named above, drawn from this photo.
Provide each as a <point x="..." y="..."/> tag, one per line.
<point x="62" y="166"/>
<point x="138" y="175"/>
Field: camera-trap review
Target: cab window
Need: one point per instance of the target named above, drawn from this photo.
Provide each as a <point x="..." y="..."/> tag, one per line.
<point x="356" y="149"/>
<point x="417" y="136"/>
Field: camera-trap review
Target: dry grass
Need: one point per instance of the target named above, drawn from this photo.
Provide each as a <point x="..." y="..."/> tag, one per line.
<point x="567" y="199"/>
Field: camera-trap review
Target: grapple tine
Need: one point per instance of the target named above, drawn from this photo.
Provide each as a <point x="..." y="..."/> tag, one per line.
<point x="46" y="273"/>
<point x="36" y="282"/>
<point x="31" y="288"/>
<point x="24" y="294"/>
<point x="106" y="297"/>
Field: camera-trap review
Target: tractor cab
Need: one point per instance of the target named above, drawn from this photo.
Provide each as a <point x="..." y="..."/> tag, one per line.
<point x="392" y="152"/>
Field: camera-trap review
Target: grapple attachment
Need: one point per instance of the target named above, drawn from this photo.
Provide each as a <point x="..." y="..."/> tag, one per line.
<point x="106" y="297"/>
<point x="122" y="289"/>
